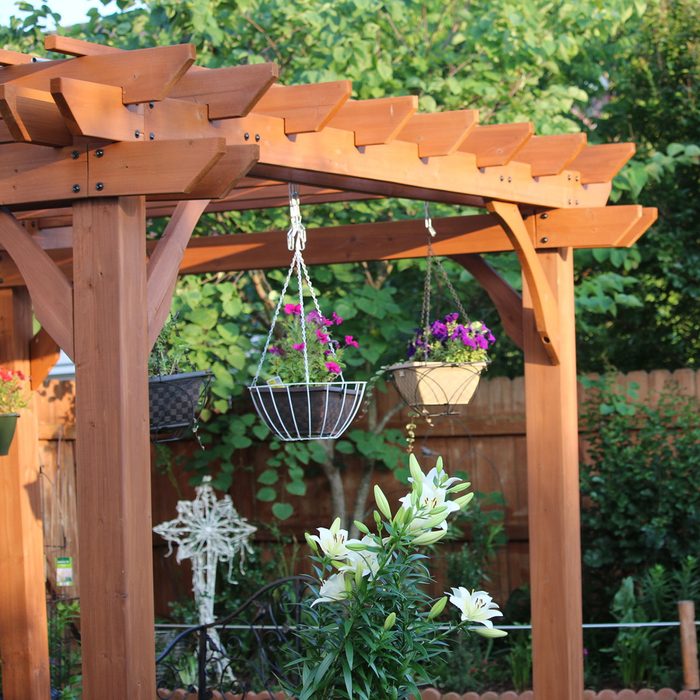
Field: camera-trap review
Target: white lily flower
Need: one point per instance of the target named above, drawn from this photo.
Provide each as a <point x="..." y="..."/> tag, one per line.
<point x="475" y="606"/>
<point x="332" y="540"/>
<point x="366" y="561"/>
<point x="432" y="490"/>
<point x="332" y="590"/>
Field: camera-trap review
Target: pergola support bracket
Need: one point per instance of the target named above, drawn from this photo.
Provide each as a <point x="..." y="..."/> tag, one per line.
<point x="543" y="300"/>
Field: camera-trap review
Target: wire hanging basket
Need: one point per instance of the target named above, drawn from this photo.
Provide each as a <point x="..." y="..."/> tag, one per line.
<point x="304" y="410"/>
<point x="437" y="388"/>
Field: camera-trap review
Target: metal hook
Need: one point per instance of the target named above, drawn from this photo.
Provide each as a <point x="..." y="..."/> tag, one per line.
<point x="428" y="220"/>
<point x="296" y="235"/>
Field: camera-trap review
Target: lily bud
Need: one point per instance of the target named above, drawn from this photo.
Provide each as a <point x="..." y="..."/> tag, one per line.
<point x="361" y="527"/>
<point x="437" y="608"/>
<point x="356" y="546"/>
<point x="489" y="632"/>
<point x="358" y="575"/>
<point x="312" y="544"/>
<point x="434" y="520"/>
<point x="382" y="503"/>
<point x="390" y="621"/>
<point x="457" y="488"/>
<point x="463" y="501"/>
<point x="335" y="527"/>
<point x="377" y="518"/>
<point x="416" y="471"/>
<point x="438" y="465"/>
<point x="430" y="537"/>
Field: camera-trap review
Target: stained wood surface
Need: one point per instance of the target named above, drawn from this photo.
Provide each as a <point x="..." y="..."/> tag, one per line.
<point x="23" y="628"/>
<point x="553" y="488"/>
<point x="439" y="133"/>
<point x="114" y="482"/>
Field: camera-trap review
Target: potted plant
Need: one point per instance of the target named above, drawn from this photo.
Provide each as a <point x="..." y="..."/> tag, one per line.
<point x="12" y="399"/>
<point x="445" y="361"/>
<point x="372" y="630"/>
<point x="176" y="390"/>
<point x="305" y="396"/>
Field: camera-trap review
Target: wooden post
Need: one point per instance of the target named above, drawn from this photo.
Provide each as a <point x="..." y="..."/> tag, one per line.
<point x="114" y="478"/>
<point x="553" y="491"/>
<point x="23" y="630"/>
<point x="689" y="645"/>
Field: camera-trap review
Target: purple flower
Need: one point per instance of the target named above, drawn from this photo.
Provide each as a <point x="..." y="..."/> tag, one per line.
<point x="298" y="346"/>
<point x="314" y="317"/>
<point x="333" y="367"/>
<point x="451" y="318"/>
<point x="292" y="309"/>
<point x="275" y="351"/>
<point x="323" y="337"/>
<point x="439" y="330"/>
<point x="351" y="342"/>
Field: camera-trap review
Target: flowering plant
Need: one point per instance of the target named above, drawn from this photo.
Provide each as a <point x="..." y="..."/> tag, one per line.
<point x="373" y="629"/>
<point x="12" y="390"/>
<point x="324" y="355"/>
<point x="448" y="340"/>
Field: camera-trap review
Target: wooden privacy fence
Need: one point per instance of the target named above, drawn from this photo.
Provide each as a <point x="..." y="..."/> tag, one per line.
<point x="487" y="441"/>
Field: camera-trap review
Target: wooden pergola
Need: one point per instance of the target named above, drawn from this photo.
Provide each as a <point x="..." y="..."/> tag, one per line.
<point x="93" y="144"/>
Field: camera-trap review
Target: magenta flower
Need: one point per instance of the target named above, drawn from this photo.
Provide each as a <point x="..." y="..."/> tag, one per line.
<point x="351" y="342"/>
<point x="298" y="346"/>
<point x="333" y="367"/>
<point x="336" y="319"/>
<point x="292" y="309"/>
<point x="323" y="337"/>
<point x="275" y="351"/>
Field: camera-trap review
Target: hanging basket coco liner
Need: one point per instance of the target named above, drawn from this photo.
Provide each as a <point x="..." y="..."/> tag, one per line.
<point x="308" y="410"/>
<point x="175" y="401"/>
<point x="436" y="386"/>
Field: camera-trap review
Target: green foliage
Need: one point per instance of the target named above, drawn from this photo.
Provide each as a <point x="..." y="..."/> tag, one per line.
<point x="170" y="353"/>
<point x="64" y="648"/>
<point x="640" y="482"/>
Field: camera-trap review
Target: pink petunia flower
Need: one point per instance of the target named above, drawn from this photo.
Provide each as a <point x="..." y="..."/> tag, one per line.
<point x="323" y="337"/>
<point x="333" y="367"/>
<point x="298" y="346"/>
<point x="336" y="319"/>
<point x="292" y="309"/>
<point x="351" y="342"/>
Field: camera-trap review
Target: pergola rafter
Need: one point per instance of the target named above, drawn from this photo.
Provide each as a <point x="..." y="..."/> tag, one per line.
<point x="92" y="145"/>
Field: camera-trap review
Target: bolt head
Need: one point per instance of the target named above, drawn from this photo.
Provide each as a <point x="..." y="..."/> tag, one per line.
<point x="75" y="155"/>
<point x="137" y="134"/>
<point x="76" y="188"/>
<point x="151" y="136"/>
<point x="544" y="239"/>
<point x="545" y="215"/>
<point x="99" y="153"/>
<point x="257" y="137"/>
<point x="99" y="186"/>
<point x="246" y="136"/>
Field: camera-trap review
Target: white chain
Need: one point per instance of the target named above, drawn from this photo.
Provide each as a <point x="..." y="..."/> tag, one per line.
<point x="296" y="235"/>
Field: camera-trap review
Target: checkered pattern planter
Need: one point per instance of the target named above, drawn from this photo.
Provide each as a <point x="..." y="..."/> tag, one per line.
<point x="174" y="403"/>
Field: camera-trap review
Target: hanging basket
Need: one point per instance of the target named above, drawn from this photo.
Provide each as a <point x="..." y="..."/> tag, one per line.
<point x="308" y="411"/>
<point x="175" y="401"/>
<point x="8" y="423"/>
<point x="436" y="387"/>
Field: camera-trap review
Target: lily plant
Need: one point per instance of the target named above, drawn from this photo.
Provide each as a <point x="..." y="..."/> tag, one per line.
<point x="373" y="631"/>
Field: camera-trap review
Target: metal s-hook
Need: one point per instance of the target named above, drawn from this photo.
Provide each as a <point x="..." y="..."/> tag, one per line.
<point x="428" y="220"/>
<point x="296" y="235"/>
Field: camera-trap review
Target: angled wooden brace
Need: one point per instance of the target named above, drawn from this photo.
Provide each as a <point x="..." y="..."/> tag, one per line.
<point x="507" y="301"/>
<point x="164" y="263"/>
<point x="543" y="300"/>
<point x="43" y="355"/>
<point x="51" y="292"/>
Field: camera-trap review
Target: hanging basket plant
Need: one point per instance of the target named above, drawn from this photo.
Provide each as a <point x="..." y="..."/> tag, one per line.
<point x="176" y="395"/>
<point x="12" y="399"/>
<point x="446" y="356"/>
<point x="305" y="395"/>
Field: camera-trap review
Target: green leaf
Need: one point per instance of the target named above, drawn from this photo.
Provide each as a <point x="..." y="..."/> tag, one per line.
<point x="266" y="494"/>
<point x="296" y="488"/>
<point x="269" y="477"/>
<point x="282" y="511"/>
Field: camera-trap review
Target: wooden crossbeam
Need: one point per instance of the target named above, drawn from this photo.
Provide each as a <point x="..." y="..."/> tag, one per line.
<point x="496" y="144"/>
<point x="630" y="237"/>
<point x="95" y="109"/>
<point x="602" y="162"/>
<point x="143" y="74"/>
<point x="329" y="158"/>
<point x="51" y="292"/>
<point x="375" y="121"/>
<point x="544" y="303"/>
<point x="13" y="58"/>
<point x="439" y="133"/>
<point x="76" y="47"/>
<point x="378" y="241"/>
<point x="228" y="92"/>
<point x="549" y="155"/>
<point x="32" y="116"/>
<point x="305" y="107"/>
